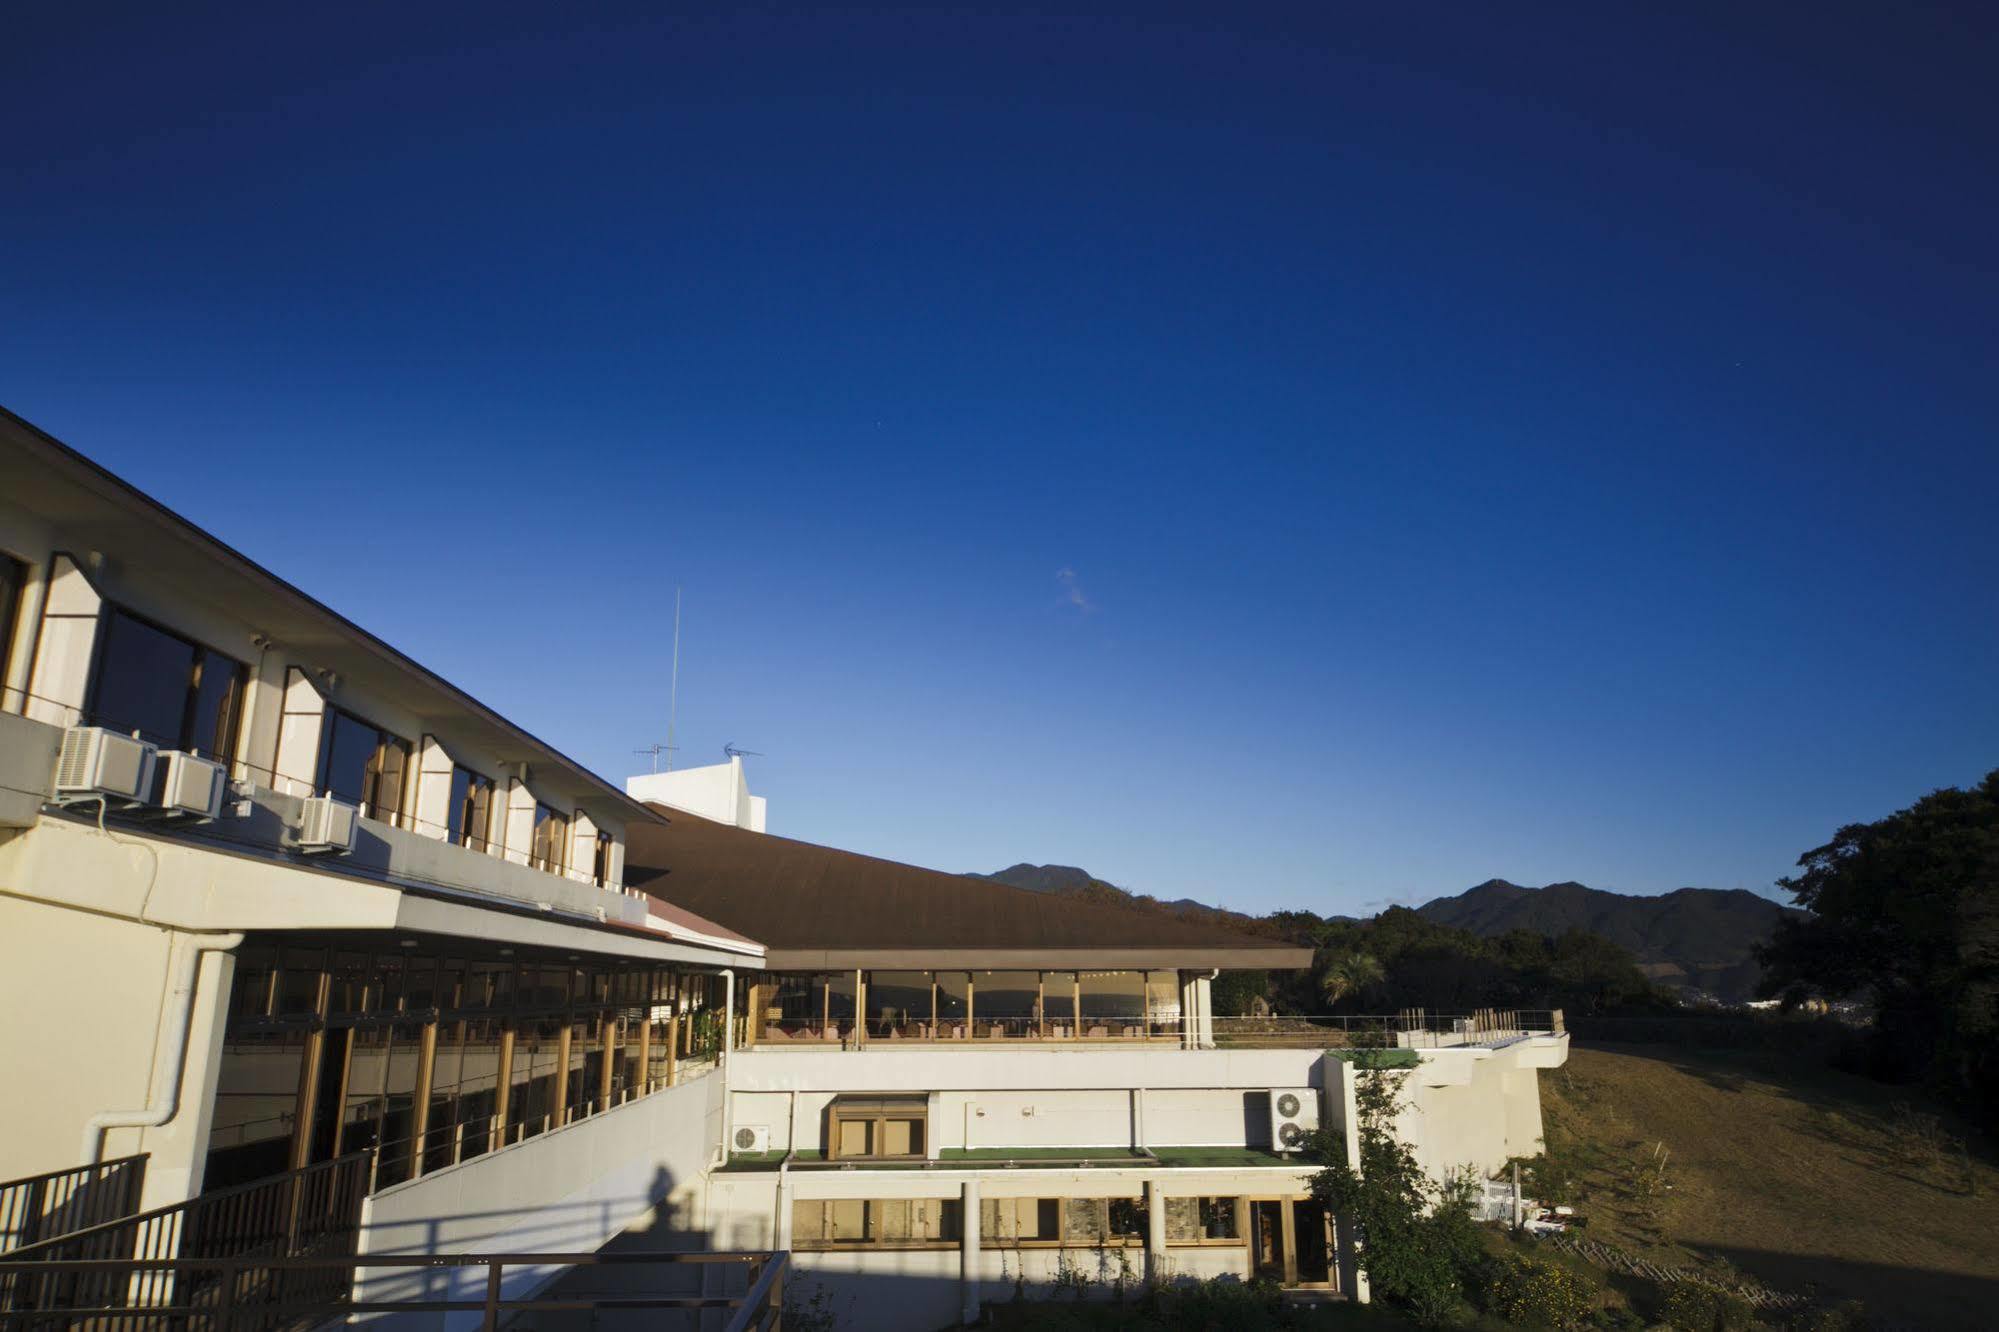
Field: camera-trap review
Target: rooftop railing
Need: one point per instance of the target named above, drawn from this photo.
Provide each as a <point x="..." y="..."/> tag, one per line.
<point x="1415" y="1028"/>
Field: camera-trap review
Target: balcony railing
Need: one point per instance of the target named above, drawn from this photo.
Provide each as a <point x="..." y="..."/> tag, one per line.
<point x="226" y="1294"/>
<point x="44" y="1207"/>
<point x="1416" y="1029"/>
<point x="230" y="1248"/>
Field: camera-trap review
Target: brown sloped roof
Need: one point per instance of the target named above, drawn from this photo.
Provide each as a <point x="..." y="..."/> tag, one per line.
<point x="813" y="906"/>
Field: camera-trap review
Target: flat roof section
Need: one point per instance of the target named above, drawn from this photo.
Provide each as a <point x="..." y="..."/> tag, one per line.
<point x="816" y="908"/>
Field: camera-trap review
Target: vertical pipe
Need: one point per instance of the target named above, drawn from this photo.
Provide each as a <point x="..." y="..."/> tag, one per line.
<point x="968" y="1252"/>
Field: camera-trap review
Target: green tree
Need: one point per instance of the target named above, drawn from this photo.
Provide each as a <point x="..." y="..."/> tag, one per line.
<point x="1905" y="910"/>
<point x="1350" y="973"/>
<point x="1417" y="1239"/>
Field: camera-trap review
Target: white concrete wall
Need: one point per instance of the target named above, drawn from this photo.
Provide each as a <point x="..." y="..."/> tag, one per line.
<point x="84" y="1020"/>
<point x="567" y="1191"/>
<point x="719" y="792"/>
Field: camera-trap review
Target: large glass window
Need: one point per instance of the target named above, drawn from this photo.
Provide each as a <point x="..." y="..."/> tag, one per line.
<point x="846" y="1223"/>
<point x="551" y="840"/>
<point x="1113" y="1003"/>
<point x="362" y="763"/>
<point x="169" y="689"/>
<point x="1006" y="1003"/>
<point x="899" y="1003"/>
<point x="471" y="808"/>
<point x="953" y="1003"/>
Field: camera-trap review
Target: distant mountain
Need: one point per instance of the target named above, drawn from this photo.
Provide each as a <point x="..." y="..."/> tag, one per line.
<point x="1069" y="881"/>
<point x="1691" y="939"/>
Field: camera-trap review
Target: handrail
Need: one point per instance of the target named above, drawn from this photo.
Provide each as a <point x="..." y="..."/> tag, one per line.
<point x="758" y="1309"/>
<point x="57" y="1203"/>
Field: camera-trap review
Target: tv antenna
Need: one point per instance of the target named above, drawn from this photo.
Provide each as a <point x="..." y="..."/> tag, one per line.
<point x="656" y="751"/>
<point x="731" y="752"/>
<point x="672" y="699"/>
<point x="673" y="689"/>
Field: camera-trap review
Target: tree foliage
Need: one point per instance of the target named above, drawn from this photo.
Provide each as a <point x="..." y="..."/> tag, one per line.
<point x="1416" y="1236"/>
<point x="1905" y="912"/>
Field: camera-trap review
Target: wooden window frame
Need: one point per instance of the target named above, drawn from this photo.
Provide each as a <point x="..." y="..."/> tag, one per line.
<point x="876" y="1111"/>
<point x="1241" y="1239"/>
<point x="873" y="1245"/>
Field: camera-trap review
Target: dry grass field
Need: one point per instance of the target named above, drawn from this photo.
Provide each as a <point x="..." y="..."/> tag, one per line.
<point x="1802" y="1177"/>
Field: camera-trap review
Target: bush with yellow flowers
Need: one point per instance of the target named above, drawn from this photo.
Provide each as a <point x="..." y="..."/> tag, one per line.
<point x="1529" y="1292"/>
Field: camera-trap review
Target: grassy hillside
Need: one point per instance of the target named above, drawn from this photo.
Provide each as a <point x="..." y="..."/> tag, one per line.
<point x="1799" y="1176"/>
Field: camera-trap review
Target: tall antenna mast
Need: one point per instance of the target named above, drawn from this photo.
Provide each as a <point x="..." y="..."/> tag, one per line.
<point x="673" y="690"/>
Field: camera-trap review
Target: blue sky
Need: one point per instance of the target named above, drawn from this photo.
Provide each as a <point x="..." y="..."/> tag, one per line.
<point x="1288" y="456"/>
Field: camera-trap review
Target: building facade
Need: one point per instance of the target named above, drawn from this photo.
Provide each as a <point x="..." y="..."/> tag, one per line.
<point x="280" y="909"/>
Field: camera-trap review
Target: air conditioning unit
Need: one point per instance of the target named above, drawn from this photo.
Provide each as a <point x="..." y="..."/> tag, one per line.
<point x="96" y="762"/>
<point x="752" y="1138"/>
<point x="189" y="785"/>
<point x="1294" y="1114"/>
<point x="326" y="826"/>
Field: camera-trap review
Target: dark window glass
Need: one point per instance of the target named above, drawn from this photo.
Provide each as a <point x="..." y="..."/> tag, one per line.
<point x="551" y="840"/>
<point x="143" y="676"/>
<point x="471" y="808"/>
<point x="13" y="576"/>
<point x="600" y="868"/>
<point x="173" y="692"/>
<point x="364" y="764"/>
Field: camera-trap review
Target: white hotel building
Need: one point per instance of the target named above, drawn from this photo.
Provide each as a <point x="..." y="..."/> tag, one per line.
<point x="307" y="956"/>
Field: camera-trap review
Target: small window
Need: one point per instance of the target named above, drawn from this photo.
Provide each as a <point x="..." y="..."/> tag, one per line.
<point x="1202" y="1221"/>
<point x="169" y="689"/>
<point x="600" y="866"/>
<point x="471" y="809"/>
<point x="877" y="1127"/>
<point x="551" y="840"/>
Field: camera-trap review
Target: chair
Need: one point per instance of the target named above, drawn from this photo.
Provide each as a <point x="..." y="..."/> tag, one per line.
<point x="1099" y="1033"/>
<point x="775" y="1033"/>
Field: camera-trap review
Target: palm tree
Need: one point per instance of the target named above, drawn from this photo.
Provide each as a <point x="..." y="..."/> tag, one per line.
<point x="1349" y="973"/>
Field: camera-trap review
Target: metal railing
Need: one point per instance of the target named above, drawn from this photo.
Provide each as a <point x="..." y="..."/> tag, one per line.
<point x="1415" y="1028"/>
<point x="267" y="1293"/>
<point x="1411" y="1029"/>
<point x="234" y="1246"/>
<point x="46" y="1206"/>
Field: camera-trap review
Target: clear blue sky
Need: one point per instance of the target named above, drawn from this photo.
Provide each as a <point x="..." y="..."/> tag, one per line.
<point x="1542" y="443"/>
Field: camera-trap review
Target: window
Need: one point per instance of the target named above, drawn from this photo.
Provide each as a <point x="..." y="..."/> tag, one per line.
<point x="362" y="763"/>
<point x="172" y="691"/>
<point x="600" y="865"/>
<point x="13" y="577"/>
<point x="850" y="1223"/>
<point x="1202" y="1221"/>
<point x="1062" y="1221"/>
<point x="880" y="1127"/>
<point x="471" y="809"/>
<point x="551" y="840"/>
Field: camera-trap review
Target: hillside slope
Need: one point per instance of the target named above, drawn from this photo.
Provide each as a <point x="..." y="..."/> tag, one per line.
<point x="1798" y="1175"/>
<point x="1698" y="938"/>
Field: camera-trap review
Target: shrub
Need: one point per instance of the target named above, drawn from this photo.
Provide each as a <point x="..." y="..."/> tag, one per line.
<point x="1532" y="1293"/>
<point x="1691" y="1307"/>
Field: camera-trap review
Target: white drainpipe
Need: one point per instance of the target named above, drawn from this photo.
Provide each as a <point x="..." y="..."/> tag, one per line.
<point x="178" y="1012"/>
<point x="728" y="1050"/>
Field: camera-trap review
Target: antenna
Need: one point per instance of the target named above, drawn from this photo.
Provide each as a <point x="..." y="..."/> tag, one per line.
<point x="655" y="751"/>
<point x="673" y="690"/>
<point x="730" y="752"/>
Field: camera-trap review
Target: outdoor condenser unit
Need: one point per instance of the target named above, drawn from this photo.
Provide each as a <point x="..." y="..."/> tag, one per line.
<point x="187" y="784"/>
<point x="104" y="763"/>
<point x="752" y="1138"/>
<point x="1294" y="1113"/>
<point x="326" y="826"/>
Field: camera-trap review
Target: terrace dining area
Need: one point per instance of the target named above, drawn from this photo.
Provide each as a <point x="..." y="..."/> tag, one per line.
<point x="853" y="1009"/>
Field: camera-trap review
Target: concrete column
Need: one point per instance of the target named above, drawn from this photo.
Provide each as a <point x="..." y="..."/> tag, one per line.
<point x="1155" y="1232"/>
<point x="968" y="1253"/>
